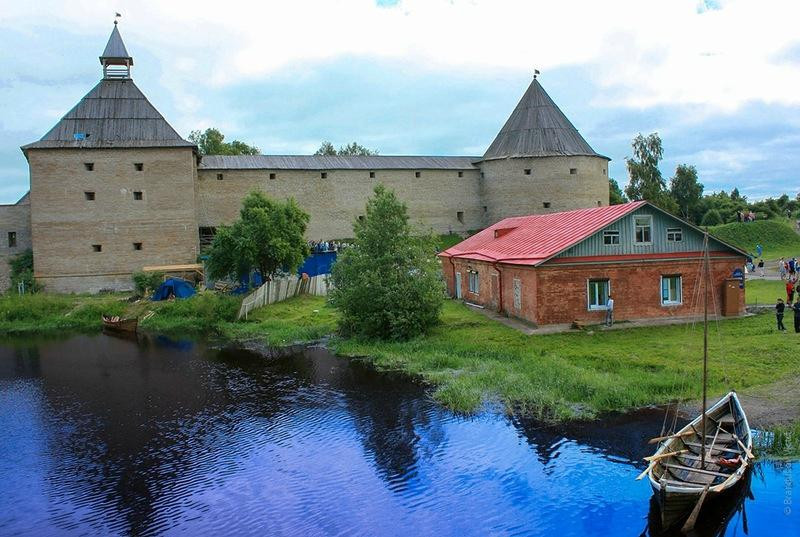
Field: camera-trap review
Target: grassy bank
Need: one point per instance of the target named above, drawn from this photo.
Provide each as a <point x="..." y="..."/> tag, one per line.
<point x="777" y="237"/>
<point x="785" y="442"/>
<point x="764" y="291"/>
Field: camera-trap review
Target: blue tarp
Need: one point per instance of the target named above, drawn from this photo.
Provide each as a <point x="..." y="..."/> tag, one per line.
<point x="254" y="281"/>
<point x="318" y="263"/>
<point x="173" y="287"/>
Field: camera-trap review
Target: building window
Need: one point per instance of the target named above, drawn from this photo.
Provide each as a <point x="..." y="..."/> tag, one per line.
<point x="323" y="175"/>
<point x="546" y="204"/>
<point x="599" y="203"/>
<point x="272" y="176"/>
<point x="674" y="234"/>
<point x="139" y="166"/>
<point x="474" y="283"/>
<point x="89" y="196"/>
<point x="573" y="171"/>
<point x="89" y="166"/>
<point x="12" y="239"/>
<point x="461" y="174"/>
<point x="137" y="195"/>
<point x="598" y="294"/>
<point x="604" y="171"/>
<point x="206" y="235"/>
<point x="611" y="237"/>
<point x="527" y="171"/>
<point x="219" y="177"/>
<point x="485" y="209"/>
<point x="642" y="229"/>
<point x="460" y="216"/>
<point x="97" y="247"/>
<point x="361" y="218"/>
<point x="137" y="245"/>
<point x="417" y="174"/>
<point x="517" y="294"/>
<point x="671" y="290"/>
<point x="372" y="175"/>
<point x="483" y="175"/>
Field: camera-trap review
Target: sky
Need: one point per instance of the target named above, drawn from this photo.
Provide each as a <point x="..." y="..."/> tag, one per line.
<point x="718" y="80"/>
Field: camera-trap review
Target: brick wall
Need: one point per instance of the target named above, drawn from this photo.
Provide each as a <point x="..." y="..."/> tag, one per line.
<point x="14" y="219"/>
<point x="65" y="225"/>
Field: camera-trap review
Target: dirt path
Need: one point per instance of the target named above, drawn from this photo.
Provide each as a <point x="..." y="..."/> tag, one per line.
<point x="773" y="404"/>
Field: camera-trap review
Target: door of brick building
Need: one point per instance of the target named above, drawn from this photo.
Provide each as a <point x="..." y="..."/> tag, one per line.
<point x="458" y="285"/>
<point x="495" y="298"/>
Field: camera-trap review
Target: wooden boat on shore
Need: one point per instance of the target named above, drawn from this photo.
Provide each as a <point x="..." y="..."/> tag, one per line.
<point x="706" y="458"/>
<point x="118" y="324"/>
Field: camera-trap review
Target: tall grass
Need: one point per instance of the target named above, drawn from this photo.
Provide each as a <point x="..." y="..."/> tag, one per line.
<point x="47" y="312"/>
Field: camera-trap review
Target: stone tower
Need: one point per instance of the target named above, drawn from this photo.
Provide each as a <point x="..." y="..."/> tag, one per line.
<point x="112" y="187"/>
<point x="539" y="163"/>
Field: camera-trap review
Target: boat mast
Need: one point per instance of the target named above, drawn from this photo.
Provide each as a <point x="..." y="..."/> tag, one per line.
<point x="706" y="271"/>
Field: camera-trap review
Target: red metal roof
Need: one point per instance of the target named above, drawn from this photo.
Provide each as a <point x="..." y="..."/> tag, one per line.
<point x="530" y="240"/>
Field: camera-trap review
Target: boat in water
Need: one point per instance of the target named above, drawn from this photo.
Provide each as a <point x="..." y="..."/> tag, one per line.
<point x="118" y="324"/>
<point x="705" y="459"/>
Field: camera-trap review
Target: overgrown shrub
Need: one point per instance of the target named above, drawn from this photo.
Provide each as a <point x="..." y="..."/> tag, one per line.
<point x="22" y="272"/>
<point x="201" y="312"/>
<point x="146" y="283"/>
<point x="711" y="218"/>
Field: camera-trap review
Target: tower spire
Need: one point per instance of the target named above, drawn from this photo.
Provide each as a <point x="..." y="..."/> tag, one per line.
<point x="115" y="59"/>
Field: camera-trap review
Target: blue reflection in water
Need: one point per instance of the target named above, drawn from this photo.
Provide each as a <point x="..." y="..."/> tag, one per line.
<point x="111" y="437"/>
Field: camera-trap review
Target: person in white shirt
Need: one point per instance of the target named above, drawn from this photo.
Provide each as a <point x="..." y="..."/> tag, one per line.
<point x="609" y="311"/>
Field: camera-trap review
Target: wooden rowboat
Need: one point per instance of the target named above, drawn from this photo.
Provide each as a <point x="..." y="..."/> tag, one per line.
<point x="118" y="324"/>
<point x="683" y="477"/>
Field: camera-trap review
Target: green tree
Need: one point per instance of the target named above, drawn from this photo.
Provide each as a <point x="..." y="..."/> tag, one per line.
<point x="212" y="142"/>
<point x="268" y="237"/>
<point x="354" y="148"/>
<point x="615" y="195"/>
<point x="645" y="182"/>
<point x="685" y="189"/>
<point x="711" y="218"/>
<point x="387" y="285"/>
<point x="22" y="272"/>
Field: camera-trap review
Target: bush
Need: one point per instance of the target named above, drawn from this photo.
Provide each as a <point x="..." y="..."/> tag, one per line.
<point x="387" y="285"/>
<point x="146" y="283"/>
<point x="201" y="312"/>
<point x="711" y="218"/>
<point x="22" y="272"/>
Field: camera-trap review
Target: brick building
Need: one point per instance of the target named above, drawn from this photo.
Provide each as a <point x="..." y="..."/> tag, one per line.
<point x="561" y="267"/>
<point x="113" y="187"/>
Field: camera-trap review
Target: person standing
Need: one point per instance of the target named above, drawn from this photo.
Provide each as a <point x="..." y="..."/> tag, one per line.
<point x="761" y="267"/>
<point x="789" y="292"/>
<point x="796" y="309"/>
<point x="609" y="310"/>
<point x="779" y="309"/>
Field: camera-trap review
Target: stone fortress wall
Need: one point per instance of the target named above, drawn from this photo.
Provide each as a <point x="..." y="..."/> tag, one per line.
<point x="15" y="236"/>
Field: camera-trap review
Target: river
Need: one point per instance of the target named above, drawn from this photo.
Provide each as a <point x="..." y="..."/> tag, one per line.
<point x="107" y="436"/>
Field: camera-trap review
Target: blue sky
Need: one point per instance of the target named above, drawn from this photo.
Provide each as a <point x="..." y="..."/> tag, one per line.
<point x="717" y="80"/>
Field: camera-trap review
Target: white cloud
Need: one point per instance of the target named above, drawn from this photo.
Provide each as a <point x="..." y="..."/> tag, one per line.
<point x="640" y="53"/>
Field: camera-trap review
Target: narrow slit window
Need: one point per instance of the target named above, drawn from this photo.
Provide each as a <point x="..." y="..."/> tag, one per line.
<point x="89" y="196"/>
<point x="219" y="177"/>
<point x="460" y="216"/>
<point x="599" y="203"/>
<point x="272" y="176"/>
<point x="137" y="195"/>
<point x="12" y="239"/>
<point x="372" y="175"/>
<point x="527" y="171"/>
<point x="137" y="245"/>
<point x="139" y="166"/>
<point x="97" y="247"/>
<point x="361" y="218"/>
<point x="485" y="209"/>
<point x="461" y="174"/>
<point x="417" y="174"/>
<point x="323" y="175"/>
<point x="573" y="171"/>
<point x="89" y="166"/>
<point x="546" y="204"/>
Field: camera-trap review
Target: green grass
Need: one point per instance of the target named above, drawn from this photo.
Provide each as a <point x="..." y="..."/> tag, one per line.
<point x="763" y="292"/>
<point x="41" y="313"/>
<point x="777" y="237"/>
<point x="785" y="442"/>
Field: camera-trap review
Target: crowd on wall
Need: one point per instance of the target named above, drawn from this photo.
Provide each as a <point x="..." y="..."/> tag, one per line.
<point x="327" y="246"/>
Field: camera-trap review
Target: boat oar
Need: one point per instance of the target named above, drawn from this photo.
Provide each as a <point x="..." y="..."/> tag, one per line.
<point x="664" y="455"/>
<point x="690" y="522"/>
<point x="746" y="450"/>
<point x="676" y="435"/>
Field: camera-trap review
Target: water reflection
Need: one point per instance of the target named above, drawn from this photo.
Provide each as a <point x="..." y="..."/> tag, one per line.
<point x="109" y="437"/>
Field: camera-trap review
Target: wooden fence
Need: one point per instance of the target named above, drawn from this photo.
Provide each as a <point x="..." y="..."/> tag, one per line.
<point x="280" y="289"/>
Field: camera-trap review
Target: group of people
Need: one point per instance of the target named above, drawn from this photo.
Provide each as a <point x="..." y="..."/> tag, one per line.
<point x="327" y="246"/>
<point x="780" y="308"/>
<point x="746" y="216"/>
<point x="788" y="269"/>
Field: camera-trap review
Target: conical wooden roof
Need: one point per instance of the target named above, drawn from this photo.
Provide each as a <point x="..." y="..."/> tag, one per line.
<point x="115" y="48"/>
<point x="537" y="128"/>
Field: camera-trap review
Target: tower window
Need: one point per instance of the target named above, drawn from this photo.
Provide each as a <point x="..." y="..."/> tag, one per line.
<point x="417" y="174"/>
<point x="89" y="166"/>
<point x="139" y="166"/>
<point x="137" y="195"/>
<point x="137" y="245"/>
<point x="372" y="175"/>
<point x="604" y="171"/>
<point x="97" y="247"/>
<point x="546" y="204"/>
<point x="485" y="209"/>
<point x="89" y="196"/>
<point x="460" y="216"/>
<point x="272" y="176"/>
<point x="219" y="177"/>
<point x="599" y="203"/>
<point x="324" y="175"/>
<point x="461" y="174"/>
<point x="12" y="239"/>
<point x="527" y="171"/>
<point x="483" y="175"/>
<point x="573" y="171"/>
<point x="361" y="218"/>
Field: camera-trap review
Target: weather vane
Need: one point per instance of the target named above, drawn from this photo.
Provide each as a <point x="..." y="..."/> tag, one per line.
<point x="535" y="73"/>
<point x="117" y="16"/>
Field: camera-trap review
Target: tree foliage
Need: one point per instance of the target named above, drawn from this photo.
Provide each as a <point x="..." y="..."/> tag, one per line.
<point x="387" y="285"/>
<point x="212" y="142"/>
<point x="146" y="283"/>
<point x="615" y="194"/>
<point x="268" y="237"/>
<point x="711" y="218"/>
<point x="685" y="189"/>
<point x="646" y="182"/>
<point x="22" y="272"/>
<point x="354" y="148"/>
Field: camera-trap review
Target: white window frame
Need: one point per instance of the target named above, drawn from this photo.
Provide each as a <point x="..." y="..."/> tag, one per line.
<point x="473" y="278"/>
<point x="650" y="225"/>
<point x="677" y="234"/>
<point x="611" y="233"/>
<point x="668" y="301"/>
<point x="599" y="307"/>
